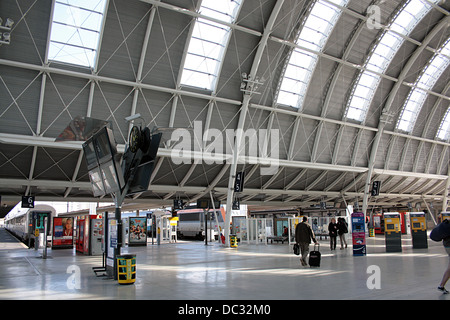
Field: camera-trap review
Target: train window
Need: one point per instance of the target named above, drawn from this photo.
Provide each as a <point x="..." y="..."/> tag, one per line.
<point x="190" y="216"/>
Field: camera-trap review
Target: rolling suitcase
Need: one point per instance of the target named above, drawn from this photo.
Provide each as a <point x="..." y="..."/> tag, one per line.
<point x="315" y="256"/>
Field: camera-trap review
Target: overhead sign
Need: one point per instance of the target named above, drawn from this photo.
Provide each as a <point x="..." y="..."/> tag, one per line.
<point x="177" y="204"/>
<point x="376" y="185"/>
<point x="239" y="182"/>
<point x="27" y="201"/>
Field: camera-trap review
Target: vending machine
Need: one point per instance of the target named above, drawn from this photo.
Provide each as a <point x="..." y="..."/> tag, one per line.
<point x="392" y="232"/>
<point x="358" y="234"/>
<point x="418" y="230"/>
<point x="445" y="215"/>
<point x="89" y="235"/>
<point x="95" y="237"/>
<point x="81" y="239"/>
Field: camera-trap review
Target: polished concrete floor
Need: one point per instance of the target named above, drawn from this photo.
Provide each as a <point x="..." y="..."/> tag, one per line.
<point x="189" y="270"/>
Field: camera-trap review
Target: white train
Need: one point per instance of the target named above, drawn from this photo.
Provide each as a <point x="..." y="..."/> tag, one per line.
<point x="19" y="221"/>
<point x="191" y="222"/>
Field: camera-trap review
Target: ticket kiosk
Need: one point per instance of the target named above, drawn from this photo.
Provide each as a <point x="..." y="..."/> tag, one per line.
<point x="418" y="230"/>
<point x="445" y="215"/>
<point x="358" y="234"/>
<point x="392" y="232"/>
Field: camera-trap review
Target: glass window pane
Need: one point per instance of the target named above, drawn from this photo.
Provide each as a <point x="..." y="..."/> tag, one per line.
<point x="404" y="22"/>
<point x="287" y="98"/>
<point x="75" y="31"/>
<point x="295" y="72"/>
<point x="313" y="35"/>
<point x="292" y="85"/>
<point x="202" y="80"/>
<point x="71" y="55"/>
<point x="426" y="81"/>
<point x="207" y="44"/>
<point x="205" y="48"/>
<point x="355" y="114"/>
<point x="444" y="129"/>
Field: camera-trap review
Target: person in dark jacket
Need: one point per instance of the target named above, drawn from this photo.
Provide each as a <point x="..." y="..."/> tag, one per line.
<point x="342" y="230"/>
<point x="446" y="243"/>
<point x="303" y="236"/>
<point x="332" y="229"/>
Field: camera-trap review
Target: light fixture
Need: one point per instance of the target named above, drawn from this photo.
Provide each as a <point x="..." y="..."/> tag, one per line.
<point x="9" y="23"/>
<point x="5" y="37"/>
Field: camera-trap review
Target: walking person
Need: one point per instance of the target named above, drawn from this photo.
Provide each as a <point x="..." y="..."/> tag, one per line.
<point x="333" y="230"/>
<point x="303" y="236"/>
<point x="446" y="242"/>
<point x="342" y="230"/>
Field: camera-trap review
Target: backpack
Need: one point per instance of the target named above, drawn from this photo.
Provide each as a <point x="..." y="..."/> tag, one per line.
<point x="441" y="231"/>
<point x="342" y="227"/>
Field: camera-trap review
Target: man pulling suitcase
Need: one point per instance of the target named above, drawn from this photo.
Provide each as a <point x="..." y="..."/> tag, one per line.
<point x="303" y="236"/>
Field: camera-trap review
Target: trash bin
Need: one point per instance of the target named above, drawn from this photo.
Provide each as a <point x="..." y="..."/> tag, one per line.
<point x="126" y="268"/>
<point x="233" y="241"/>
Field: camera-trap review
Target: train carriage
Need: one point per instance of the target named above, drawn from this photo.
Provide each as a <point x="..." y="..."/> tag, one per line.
<point x="19" y="221"/>
<point x="192" y="222"/>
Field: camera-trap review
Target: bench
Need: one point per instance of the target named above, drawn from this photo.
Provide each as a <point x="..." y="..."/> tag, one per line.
<point x="277" y="239"/>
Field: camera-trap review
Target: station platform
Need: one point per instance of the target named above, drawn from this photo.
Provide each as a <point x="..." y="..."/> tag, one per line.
<point x="189" y="270"/>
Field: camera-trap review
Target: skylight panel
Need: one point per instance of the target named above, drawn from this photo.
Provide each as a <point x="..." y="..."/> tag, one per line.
<point x="75" y="31"/>
<point x="300" y="66"/>
<point x="444" y="128"/>
<point x="207" y="44"/>
<point x="383" y="53"/>
<point x="425" y="82"/>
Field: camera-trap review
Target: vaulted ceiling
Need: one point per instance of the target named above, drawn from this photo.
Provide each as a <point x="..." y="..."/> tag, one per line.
<point x="317" y="150"/>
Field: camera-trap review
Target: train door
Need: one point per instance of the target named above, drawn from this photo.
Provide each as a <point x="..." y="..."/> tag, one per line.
<point x="31" y="228"/>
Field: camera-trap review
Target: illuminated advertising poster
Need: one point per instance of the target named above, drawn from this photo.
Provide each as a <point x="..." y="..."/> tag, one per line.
<point x="62" y="232"/>
<point x="138" y="227"/>
<point x="358" y="234"/>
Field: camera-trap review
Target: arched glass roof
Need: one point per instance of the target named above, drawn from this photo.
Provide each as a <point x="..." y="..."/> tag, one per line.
<point x="426" y="81"/>
<point x="444" y="128"/>
<point x="314" y="34"/>
<point x="381" y="56"/>
<point x="208" y="44"/>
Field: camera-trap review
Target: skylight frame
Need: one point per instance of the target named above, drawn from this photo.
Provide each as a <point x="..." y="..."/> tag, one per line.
<point x="419" y="92"/>
<point x="207" y="45"/>
<point x="76" y="31"/>
<point x="385" y="49"/>
<point x="292" y="90"/>
<point x="443" y="132"/>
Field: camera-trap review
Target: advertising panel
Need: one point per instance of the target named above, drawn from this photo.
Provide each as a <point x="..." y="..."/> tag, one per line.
<point x="358" y="234"/>
<point x="138" y="234"/>
<point x="62" y="232"/>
